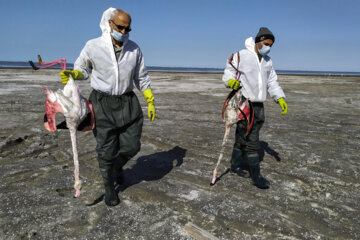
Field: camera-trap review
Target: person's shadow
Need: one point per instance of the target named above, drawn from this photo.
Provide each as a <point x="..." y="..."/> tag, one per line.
<point x="152" y="167"/>
<point x="149" y="168"/>
<point x="264" y="147"/>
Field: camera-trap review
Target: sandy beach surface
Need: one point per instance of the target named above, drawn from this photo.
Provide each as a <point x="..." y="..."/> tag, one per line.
<point x="310" y="156"/>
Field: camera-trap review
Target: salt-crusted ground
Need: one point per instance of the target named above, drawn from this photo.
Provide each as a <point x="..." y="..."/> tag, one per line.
<point x="310" y="156"/>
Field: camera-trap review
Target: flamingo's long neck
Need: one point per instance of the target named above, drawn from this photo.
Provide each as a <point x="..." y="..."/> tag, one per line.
<point x="77" y="184"/>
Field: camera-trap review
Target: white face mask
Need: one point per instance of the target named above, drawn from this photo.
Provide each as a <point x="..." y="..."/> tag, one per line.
<point x="119" y="36"/>
<point x="264" y="50"/>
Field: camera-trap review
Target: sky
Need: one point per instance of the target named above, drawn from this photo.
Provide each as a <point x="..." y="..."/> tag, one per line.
<point x="313" y="35"/>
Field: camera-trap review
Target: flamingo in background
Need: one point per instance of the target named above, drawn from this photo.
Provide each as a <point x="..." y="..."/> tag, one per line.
<point x="61" y="61"/>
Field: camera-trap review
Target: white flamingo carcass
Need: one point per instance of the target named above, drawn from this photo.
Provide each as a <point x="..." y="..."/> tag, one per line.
<point x="233" y="111"/>
<point x="75" y="109"/>
<point x="230" y="116"/>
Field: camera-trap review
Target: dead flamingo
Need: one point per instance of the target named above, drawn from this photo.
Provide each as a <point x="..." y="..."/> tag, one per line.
<point x="230" y="115"/>
<point x="75" y="109"/>
<point x="61" y="62"/>
<point x="233" y="111"/>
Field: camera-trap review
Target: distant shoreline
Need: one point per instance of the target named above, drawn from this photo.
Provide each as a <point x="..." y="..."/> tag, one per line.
<point x="22" y="66"/>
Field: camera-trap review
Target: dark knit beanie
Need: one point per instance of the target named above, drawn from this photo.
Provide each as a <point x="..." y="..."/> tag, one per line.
<point x="263" y="34"/>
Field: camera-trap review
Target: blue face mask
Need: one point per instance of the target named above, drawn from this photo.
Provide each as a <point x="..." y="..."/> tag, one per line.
<point x="119" y="36"/>
<point x="264" y="50"/>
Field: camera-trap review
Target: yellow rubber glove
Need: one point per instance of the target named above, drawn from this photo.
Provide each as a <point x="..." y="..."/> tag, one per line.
<point x="234" y="84"/>
<point x="76" y="75"/>
<point x="283" y="105"/>
<point x="149" y="97"/>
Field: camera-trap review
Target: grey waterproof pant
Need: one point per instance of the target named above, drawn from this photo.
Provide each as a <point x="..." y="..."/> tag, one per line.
<point x="118" y="127"/>
<point x="250" y="143"/>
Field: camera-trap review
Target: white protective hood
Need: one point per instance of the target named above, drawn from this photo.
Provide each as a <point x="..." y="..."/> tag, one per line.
<point x="250" y="44"/>
<point x="104" y="22"/>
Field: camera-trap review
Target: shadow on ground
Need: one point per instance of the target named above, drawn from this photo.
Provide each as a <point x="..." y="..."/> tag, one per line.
<point x="264" y="147"/>
<point x="149" y="168"/>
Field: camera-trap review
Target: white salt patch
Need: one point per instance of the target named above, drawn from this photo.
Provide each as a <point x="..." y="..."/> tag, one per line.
<point x="214" y="94"/>
<point x="314" y="205"/>
<point x="191" y="196"/>
<point x="302" y="92"/>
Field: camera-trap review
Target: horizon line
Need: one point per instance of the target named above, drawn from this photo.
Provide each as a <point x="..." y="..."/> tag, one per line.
<point x="217" y="68"/>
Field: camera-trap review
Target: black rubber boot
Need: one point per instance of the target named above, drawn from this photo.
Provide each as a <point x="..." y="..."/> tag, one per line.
<point x="118" y="175"/>
<point x="111" y="198"/>
<point x="254" y="166"/>
<point x="237" y="160"/>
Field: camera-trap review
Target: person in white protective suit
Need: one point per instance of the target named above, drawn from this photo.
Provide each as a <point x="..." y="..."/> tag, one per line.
<point x="115" y="65"/>
<point x="257" y="78"/>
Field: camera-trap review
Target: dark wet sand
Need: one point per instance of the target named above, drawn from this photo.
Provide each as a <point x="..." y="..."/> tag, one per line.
<point x="310" y="156"/>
